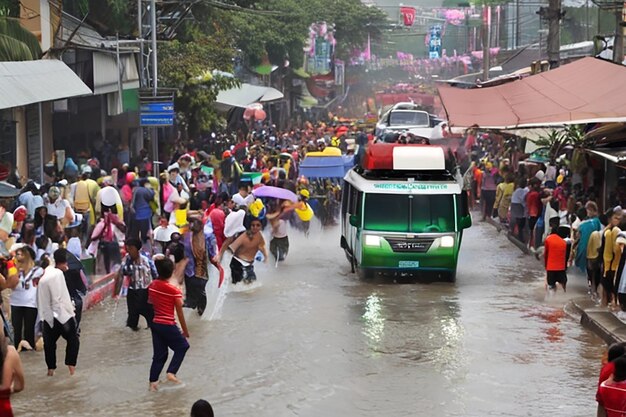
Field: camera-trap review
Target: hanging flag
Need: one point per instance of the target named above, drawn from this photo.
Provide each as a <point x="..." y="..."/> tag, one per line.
<point x="408" y="15"/>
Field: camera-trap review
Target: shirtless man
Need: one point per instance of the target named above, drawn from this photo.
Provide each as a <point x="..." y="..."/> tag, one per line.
<point x="245" y="248"/>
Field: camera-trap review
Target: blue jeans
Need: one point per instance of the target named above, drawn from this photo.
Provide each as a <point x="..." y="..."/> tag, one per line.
<point x="166" y="336"/>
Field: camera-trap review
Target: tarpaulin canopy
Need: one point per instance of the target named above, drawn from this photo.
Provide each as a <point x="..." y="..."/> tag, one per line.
<point x="589" y="90"/>
<point x="326" y="166"/>
<point x="246" y="95"/>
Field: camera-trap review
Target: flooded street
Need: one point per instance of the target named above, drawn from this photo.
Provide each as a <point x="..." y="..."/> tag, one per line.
<point x="313" y="340"/>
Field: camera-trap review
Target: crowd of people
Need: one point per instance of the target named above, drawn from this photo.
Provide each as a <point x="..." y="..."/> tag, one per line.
<point x="157" y="235"/>
<point x="552" y="206"/>
<point x="160" y="235"/>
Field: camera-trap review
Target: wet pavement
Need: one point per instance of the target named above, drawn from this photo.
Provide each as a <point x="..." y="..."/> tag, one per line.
<point x="311" y="339"/>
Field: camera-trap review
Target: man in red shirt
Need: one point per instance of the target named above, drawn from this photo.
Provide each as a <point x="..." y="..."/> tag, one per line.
<point x="165" y="298"/>
<point x="555" y="256"/>
<point x="612" y="392"/>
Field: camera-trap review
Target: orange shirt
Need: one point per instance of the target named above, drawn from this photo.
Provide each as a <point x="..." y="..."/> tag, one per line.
<point x="555" y="253"/>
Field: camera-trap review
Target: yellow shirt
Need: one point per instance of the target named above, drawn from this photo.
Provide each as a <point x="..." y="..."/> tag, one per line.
<point x="594" y="244"/>
<point x="612" y="252"/>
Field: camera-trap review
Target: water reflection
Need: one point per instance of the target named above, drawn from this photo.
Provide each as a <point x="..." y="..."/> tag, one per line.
<point x="374" y="321"/>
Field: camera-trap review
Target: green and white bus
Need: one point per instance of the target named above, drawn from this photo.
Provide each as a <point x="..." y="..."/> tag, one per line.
<point x="402" y="212"/>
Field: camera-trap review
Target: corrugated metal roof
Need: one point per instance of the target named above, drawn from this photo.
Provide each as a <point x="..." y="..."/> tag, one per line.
<point x="29" y="82"/>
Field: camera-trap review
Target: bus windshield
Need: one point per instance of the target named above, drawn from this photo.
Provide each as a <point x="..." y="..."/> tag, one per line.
<point x="409" y="213"/>
<point x="408" y="118"/>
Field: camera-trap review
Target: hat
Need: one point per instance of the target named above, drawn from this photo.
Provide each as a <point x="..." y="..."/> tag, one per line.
<point x="76" y="221"/>
<point x="226" y="154"/>
<point x="305" y="193"/>
<point x="86" y="169"/>
<point x="108" y="180"/>
<point x="63" y="183"/>
<point x="54" y="192"/>
<point x="7" y="190"/>
<point x="173" y="167"/>
<point x="19" y="214"/>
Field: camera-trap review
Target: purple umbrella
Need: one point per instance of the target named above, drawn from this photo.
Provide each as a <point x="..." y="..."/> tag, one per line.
<point x="275" y="192"/>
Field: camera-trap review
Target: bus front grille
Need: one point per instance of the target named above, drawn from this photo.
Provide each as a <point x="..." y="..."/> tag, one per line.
<point x="418" y="245"/>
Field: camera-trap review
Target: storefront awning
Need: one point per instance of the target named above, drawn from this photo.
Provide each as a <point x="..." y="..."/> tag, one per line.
<point x="589" y="90"/>
<point x="28" y="82"/>
<point x="246" y="95"/>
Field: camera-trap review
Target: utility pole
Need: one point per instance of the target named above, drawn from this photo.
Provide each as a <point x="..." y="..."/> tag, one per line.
<point x="517" y="24"/>
<point x="618" y="44"/>
<point x="486" y="35"/>
<point x="553" y="15"/>
<point x="554" y="33"/>
<point x="154" y="133"/>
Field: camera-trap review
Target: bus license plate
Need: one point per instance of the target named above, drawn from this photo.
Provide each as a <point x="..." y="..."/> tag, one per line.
<point x="408" y="264"/>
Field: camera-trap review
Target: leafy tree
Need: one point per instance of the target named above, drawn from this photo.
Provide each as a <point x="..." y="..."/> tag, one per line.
<point x="285" y="34"/>
<point x="108" y="16"/>
<point x="9" y="8"/>
<point x="353" y="22"/>
<point x="188" y="67"/>
<point x="17" y="43"/>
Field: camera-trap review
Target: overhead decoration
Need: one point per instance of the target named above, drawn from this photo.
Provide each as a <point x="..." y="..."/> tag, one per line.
<point x="408" y="15"/>
<point x="320" y="49"/>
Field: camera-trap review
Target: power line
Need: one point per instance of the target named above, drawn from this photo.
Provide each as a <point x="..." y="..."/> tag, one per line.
<point x="233" y="7"/>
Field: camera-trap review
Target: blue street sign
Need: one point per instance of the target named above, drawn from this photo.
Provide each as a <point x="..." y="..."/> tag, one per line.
<point x="163" y="107"/>
<point x="157" y="119"/>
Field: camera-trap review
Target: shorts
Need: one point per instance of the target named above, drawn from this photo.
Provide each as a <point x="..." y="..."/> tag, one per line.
<point x="556" y="276"/>
<point x="279" y="247"/>
<point x="240" y="272"/>
<point x="608" y="283"/>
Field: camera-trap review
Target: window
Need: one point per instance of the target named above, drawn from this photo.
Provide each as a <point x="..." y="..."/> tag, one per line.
<point x="409" y="213"/>
<point x="355" y="201"/>
<point x="386" y="213"/>
<point x="345" y="198"/>
<point x="432" y="213"/>
<point x="408" y="118"/>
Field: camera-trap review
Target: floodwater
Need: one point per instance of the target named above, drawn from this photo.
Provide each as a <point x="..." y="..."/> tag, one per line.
<point x="311" y="339"/>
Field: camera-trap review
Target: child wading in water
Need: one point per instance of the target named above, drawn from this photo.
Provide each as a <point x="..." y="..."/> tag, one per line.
<point x="165" y="298"/>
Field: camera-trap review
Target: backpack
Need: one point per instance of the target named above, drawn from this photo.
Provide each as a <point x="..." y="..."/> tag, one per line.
<point x="81" y="197"/>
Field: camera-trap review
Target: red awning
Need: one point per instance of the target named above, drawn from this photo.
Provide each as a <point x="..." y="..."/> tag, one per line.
<point x="586" y="91"/>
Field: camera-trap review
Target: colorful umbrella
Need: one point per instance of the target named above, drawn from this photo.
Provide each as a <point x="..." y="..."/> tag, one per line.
<point x="275" y="192"/>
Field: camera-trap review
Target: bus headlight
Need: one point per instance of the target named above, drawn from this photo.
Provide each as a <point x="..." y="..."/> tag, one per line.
<point x="372" y="240"/>
<point x="447" y="241"/>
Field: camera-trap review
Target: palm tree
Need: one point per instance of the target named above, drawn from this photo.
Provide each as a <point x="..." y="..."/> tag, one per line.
<point x="16" y="42"/>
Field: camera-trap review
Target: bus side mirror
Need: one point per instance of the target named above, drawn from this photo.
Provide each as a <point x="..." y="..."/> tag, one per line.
<point x="466" y="221"/>
<point x="354" y="220"/>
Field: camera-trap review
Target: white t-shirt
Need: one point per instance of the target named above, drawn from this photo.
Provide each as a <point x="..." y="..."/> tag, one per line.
<point x="164" y="234"/>
<point x="25" y="294"/>
<point x="243" y="201"/>
<point x="57" y="209"/>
